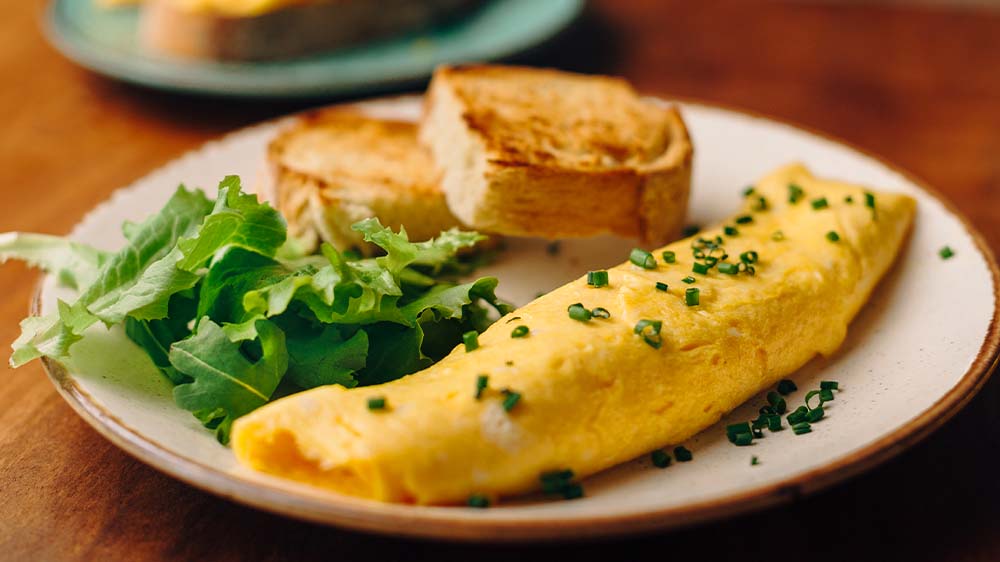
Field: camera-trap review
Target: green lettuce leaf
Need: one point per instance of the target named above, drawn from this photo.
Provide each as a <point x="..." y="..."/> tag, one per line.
<point x="50" y="335"/>
<point x="156" y="336"/>
<point x="226" y="383"/>
<point x="232" y="275"/>
<point x="143" y="275"/>
<point x="318" y="359"/>
<point x="237" y="219"/>
<point x="394" y="351"/>
<point x="234" y="313"/>
<point x="75" y="265"/>
<point x="400" y="252"/>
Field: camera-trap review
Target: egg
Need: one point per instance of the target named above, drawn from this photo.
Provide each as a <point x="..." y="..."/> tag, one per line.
<point x="598" y="392"/>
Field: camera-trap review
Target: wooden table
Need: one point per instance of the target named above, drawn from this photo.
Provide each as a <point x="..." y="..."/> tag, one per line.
<point x="919" y="86"/>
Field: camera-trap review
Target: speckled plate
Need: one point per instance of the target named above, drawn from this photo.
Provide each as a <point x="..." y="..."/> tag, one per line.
<point x="105" y="42"/>
<point x="915" y="355"/>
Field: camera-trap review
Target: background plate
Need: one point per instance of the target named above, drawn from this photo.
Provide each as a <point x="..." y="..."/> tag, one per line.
<point x="105" y="41"/>
<point x="917" y="352"/>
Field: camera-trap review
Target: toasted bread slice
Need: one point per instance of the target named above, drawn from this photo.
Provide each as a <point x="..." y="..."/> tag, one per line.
<point x="276" y="29"/>
<point x="335" y="167"/>
<point x="536" y="152"/>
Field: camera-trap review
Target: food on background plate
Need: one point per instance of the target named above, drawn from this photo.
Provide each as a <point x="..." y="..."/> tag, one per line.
<point x="534" y="152"/>
<point x="606" y="368"/>
<point x="335" y="167"/>
<point x="241" y="30"/>
<point x="233" y="316"/>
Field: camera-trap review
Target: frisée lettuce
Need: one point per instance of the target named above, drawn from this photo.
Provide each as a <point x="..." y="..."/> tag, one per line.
<point x="234" y="316"/>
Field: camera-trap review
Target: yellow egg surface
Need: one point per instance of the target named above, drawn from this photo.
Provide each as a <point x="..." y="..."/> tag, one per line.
<point x="231" y="8"/>
<point x="595" y="393"/>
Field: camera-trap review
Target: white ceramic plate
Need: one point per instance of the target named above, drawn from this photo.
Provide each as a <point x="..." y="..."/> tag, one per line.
<point x="917" y="353"/>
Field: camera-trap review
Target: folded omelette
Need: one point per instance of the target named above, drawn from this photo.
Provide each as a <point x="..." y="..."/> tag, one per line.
<point x="592" y="394"/>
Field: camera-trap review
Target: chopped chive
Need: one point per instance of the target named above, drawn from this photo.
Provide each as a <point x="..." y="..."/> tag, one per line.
<point x="776" y="402"/>
<point x="471" y="340"/>
<point x="774" y="422"/>
<point x="754" y="461"/>
<point x="732" y="430"/>
<point x="376" y="403"/>
<point x="699" y="267"/>
<point x="478" y="500"/>
<point x="662" y="286"/>
<point x="820" y="203"/>
<point x="692" y="296"/>
<point x="553" y="482"/>
<point x="795" y="193"/>
<point x="690" y="230"/>
<point x="579" y="312"/>
<point x="760" y="422"/>
<point x="757" y="433"/>
<point x="729" y="268"/>
<point x="849" y="200"/>
<point x="600" y="313"/>
<point x="760" y="204"/>
<point x="815" y="414"/>
<point x="597" y="278"/>
<point x="553" y="479"/>
<point x="749" y="257"/>
<point x="832" y="236"/>
<point x="660" y="458"/>
<point x="870" y="203"/>
<point x="744" y="219"/>
<point x="799" y="415"/>
<point x="669" y="257"/>
<point x="778" y="236"/>
<point x="730" y="231"/>
<point x="682" y="454"/>
<point x="572" y="492"/>
<point x="946" y="253"/>
<point x="786" y="387"/>
<point x="689" y="280"/>
<point x="826" y="395"/>
<point x="650" y="332"/>
<point x="748" y="191"/>
<point x="765" y="410"/>
<point x="642" y="258"/>
<point x="829" y="385"/>
<point x="514" y="319"/>
<point x="742" y="439"/>
<point x="809" y="396"/>
<point x="510" y="399"/>
<point x="801" y="428"/>
<point x="520" y="332"/>
<point x="482" y="383"/>
<point x="560" y="482"/>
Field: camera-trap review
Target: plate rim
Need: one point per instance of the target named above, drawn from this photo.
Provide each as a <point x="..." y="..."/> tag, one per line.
<point x="346" y="512"/>
<point x="124" y="67"/>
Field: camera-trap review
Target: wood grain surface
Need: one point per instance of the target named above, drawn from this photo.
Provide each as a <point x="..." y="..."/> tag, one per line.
<point x="920" y="86"/>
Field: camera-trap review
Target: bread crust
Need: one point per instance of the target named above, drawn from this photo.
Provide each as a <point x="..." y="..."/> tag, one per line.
<point x="536" y="152"/>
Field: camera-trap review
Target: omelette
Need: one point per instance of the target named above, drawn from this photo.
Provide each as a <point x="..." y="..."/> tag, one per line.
<point x="594" y="374"/>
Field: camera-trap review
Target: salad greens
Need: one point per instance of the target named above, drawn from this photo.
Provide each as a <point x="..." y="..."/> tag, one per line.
<point x="234" y="315"/>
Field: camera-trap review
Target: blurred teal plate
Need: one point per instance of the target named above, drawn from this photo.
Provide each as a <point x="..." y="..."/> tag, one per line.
<point x="105" y="42"/>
